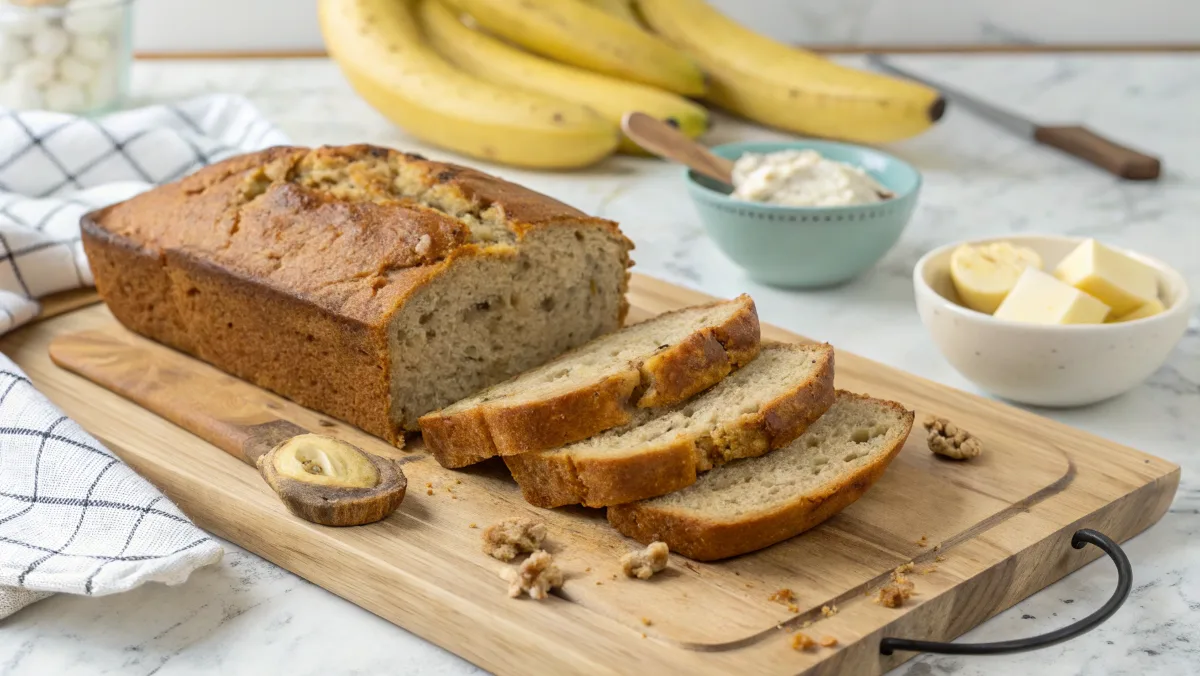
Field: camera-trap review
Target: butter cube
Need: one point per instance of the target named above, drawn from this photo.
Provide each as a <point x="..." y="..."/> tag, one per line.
<point x="1147" y="310"/>
<point x="1122" y="283"/>
<point x="1039" y="298"/>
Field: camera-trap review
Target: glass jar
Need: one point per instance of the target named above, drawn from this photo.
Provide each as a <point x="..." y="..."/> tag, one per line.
<point x="71" y="56"/>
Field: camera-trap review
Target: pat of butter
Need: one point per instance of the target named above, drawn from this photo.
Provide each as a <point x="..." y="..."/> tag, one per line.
<point x="1147" y="310"/>
<point x="1038" y="298"/>
<point x="1122" y="283"/>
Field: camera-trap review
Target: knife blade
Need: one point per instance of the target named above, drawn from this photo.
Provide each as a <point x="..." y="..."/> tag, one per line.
<point x="1074" y="140"/>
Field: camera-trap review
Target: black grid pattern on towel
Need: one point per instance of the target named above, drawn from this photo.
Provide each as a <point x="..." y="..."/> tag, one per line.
<point x="57" y="439"/>
<point x="49" y="164"/>
<point x="102" y="146"/>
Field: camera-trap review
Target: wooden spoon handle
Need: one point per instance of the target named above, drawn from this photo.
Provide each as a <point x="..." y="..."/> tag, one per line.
<point x="1090" y="146"/>
<point x="669" y="143"/>
<point x="178" y="390"/>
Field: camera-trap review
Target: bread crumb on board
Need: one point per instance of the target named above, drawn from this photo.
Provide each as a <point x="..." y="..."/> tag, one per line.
<point x="894" y="594"/>
<point x="645" y="563"/>
<point x="828" y="641"/>
<point x="646" y="621"/>
<point x="939" y="558"/>
<point x="902" y="569"/>
<point x="802" y="641"/>
<point x="428" y="491"/>
<point x="472" y="525"/>
<point x="515" y="535"/>
<point x="536" y="576"/>
<point x="829" y="611"/>
<point x="783" y="595"/>
<point x="924" y="541"/>
<point x="949" y="440"/>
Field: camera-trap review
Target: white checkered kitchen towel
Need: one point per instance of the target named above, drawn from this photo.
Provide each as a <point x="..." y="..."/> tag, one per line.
<point x="74" y="518"/>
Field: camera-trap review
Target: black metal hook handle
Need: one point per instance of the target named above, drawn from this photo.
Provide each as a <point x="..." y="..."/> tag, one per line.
<point x="1083" y="537"/>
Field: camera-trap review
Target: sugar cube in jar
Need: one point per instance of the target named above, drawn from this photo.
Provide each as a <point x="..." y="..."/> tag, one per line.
<point x="66" y="55"/>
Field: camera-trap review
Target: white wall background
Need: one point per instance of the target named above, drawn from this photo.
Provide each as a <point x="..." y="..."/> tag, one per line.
<point x="203" y="25"/>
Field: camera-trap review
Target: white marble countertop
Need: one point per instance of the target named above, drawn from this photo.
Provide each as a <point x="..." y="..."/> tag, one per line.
<point x="246" y="616"/>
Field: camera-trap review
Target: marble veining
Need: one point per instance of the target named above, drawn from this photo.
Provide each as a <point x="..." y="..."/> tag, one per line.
<point x="248" y="616"/>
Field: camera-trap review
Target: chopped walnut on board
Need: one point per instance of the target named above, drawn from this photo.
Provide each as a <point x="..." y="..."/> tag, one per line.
<point x="783" y="595"/>
<point x="536" y="576"/>
<point x="509" y="537"/>
<point x="645" y="563"/>
<point x="951" y="441"/>
<point x="802" y="641"/>
<point x="894" y="594"/>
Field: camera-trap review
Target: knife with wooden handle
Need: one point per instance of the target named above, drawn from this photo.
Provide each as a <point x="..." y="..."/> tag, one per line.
<point x="1074" y="140"/>
<point x="318" y="477"/>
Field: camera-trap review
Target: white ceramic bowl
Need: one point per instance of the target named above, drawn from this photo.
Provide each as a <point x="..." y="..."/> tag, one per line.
<point x="1044" y="365"/>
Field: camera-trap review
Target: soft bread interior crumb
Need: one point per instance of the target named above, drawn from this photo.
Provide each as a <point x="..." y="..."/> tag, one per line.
<point x="849" y="436"/>
<point x="606" y="356"/>
<point x="488" y="319"/>
<point x="742" y="393"/>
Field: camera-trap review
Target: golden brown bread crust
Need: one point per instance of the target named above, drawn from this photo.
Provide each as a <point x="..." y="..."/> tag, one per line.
<point x="704" y="540"/>
<point x="668" y="377"/>
<point x="550" y="479"/>
<point x="285" y="266"/>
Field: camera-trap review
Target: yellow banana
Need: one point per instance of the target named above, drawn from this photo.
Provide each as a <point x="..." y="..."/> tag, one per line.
<point x="491" y="59"/>
<point x="984" y="275"/>
<point x="790" y="88"/>
<point x="618" y="8"/>
<point x="379" y="46"/>
<point x="585" y="36"/>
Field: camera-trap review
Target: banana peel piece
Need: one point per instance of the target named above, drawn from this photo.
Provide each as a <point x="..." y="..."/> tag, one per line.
<point x="330" y="482"/>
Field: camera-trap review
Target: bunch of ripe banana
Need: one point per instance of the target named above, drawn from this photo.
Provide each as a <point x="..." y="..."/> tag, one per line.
<point x="544" y="83"/>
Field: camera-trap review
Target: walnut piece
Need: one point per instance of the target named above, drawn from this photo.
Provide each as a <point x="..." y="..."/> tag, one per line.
<point x="536" y="576"/>
<point x="947" y="439"/>
<point x="645" y="563"/>
<point x="424" y="244"/>
<point x="510" y="537"/>
<point x="895" y="593"/>
<point x="801" y="641"/>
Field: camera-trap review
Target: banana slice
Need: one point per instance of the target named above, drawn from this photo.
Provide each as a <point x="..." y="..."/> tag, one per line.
<point x="983" y="275"/>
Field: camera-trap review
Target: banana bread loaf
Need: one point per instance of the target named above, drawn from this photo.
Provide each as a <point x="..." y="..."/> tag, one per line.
<point x="359" y="281"/>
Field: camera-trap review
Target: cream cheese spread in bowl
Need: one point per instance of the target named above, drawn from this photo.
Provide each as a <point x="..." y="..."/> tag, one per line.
<point x="803" y="178"/>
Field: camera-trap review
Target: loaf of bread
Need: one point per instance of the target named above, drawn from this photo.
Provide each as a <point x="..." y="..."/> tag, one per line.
<point x="359" y="281"/>
<point x="749" y="504"/>
<point x="761" y="406"/>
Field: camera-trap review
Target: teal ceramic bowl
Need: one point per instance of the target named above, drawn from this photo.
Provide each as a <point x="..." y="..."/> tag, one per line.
<point x="803" y="247"/>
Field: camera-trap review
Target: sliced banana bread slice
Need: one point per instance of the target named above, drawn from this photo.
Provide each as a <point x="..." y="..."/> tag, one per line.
<point x="761" y="406"/>
<point x="598" y="386"/>
<point x="753" y="503"/>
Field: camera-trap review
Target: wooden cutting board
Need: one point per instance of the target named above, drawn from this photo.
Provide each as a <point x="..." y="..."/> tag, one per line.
<point x="986" y="534"/>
